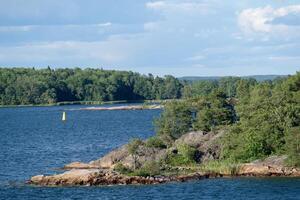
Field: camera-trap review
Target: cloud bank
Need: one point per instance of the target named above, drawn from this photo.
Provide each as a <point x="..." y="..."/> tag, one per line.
<point x="179" y="37"/>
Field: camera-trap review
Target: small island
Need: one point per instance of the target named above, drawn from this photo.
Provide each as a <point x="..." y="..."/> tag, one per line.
<point x="254" y="132"/>
<point x="126" y="107"/>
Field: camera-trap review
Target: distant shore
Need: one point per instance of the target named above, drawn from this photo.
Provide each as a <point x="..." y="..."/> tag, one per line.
<point x="127" y="107"/>
<point x="66" y="103"/>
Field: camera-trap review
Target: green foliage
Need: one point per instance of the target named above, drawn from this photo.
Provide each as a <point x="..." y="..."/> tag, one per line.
<point x="221" y="167"/>
<point x="259" y="116"/>
<point x="186" y="155"/>
<point x="200" y="113"/>
<point x="119" y="167"/>
<point x="199" y="88"/>
<point x="134" y="145"/>
<point x="292" y="146"/>
<point x="267" y="116"/>
<point x="47" y="86"/>
<point x="151" y="168"/>
<point x="156" y="142"/>
<point x="231" y="86"/>
<point x="213" y="111"/>
<point x="175" y="120"/>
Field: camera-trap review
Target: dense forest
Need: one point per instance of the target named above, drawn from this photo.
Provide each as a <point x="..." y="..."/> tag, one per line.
<point x="25" y="86"/>
<point x="22" y="86"/>
<point x="260" y="118"/>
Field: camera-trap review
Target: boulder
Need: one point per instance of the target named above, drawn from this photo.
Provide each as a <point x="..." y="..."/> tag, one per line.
<point x="194" y="139"/>
<point x="72" y="177"/>
<point x="121" y="155"/>
<point x="110" y="159"/>
<point x="207" y="143"/>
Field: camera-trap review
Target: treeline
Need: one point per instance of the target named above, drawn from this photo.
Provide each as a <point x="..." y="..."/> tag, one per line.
<point x="48" y="86"/>
<point x="22" y="86"/>
<point x="229" y="85"/>
<point x="261" y="119"/>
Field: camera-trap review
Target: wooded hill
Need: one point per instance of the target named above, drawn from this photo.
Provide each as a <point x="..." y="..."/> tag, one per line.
<point x="46" y="86"/>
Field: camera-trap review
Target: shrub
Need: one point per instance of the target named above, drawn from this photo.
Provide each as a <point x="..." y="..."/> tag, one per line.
<point x="155" y="142"/>
<point x="119" y="167"/>
<point x="185" y="156"/>
<point x="150" y="168"/>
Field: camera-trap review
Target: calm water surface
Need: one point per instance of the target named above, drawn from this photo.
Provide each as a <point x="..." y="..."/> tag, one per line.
<point x="33" y="141"/>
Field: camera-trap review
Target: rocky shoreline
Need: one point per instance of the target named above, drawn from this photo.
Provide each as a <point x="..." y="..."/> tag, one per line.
<point x="91" y="176"/>
<point x="103" y="171"/>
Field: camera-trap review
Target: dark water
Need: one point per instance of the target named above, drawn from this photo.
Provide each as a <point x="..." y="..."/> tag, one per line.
<point x="35" y="141"/>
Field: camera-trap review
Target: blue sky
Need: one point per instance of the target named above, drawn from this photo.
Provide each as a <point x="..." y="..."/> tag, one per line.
<point x="178" y="37"/>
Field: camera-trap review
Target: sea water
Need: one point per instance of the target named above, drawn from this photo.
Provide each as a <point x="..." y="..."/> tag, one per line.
<point x="35" y="140"/>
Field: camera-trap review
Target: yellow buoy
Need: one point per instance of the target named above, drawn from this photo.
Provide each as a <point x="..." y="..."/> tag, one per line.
<point x="64" y="118"/>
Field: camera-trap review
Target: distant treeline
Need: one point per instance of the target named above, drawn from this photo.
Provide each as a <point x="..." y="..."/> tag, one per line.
<point x="229" y="85"/>
<point x="258" y="78"/>
<point x="23" y="86"/>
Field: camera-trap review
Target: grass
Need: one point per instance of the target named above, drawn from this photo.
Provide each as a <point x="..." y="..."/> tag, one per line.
<point x="225" y="167"/>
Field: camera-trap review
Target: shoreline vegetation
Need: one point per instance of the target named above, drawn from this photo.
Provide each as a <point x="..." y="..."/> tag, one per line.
<point x="254" y="132"/>
<point x="21" y="87"/>
<point x="93" y="103"/>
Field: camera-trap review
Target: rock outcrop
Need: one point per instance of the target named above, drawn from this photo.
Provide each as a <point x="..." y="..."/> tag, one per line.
<point x="101" y="171"/>
<point x="89" y="177"/>
<point x="272" y="166"/>
<point x="121" y="155"/>
<point x="205" y="142"/>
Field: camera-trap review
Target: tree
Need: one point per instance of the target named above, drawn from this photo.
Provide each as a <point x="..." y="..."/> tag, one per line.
<point x="30" y="86"/>
<point x="133" y="147"/>
<point x="292" y="139"/>
<point x="213" y="110"/>
<point x="175" y="120"/>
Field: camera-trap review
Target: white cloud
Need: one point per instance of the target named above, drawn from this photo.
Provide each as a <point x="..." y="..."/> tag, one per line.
<point x="186" y="7"/>
<point x="259" y="20"/>
<point x="31" y="27"/>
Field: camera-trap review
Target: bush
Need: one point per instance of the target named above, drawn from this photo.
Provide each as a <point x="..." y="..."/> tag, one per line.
<point x="119" y="167"/>
<point x="155" y="142"/>
<point x="186" y="155"/>
<point x="151" y="168"/>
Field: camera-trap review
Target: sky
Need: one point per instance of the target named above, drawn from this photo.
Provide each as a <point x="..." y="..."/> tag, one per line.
<point x="177" y="37"/>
